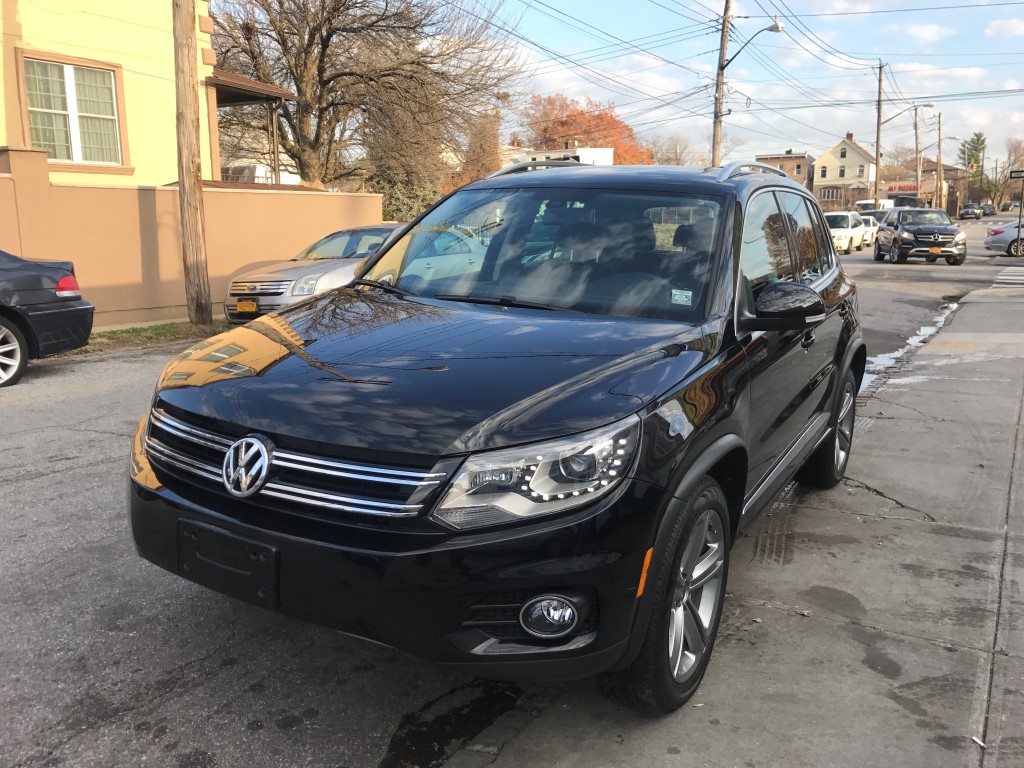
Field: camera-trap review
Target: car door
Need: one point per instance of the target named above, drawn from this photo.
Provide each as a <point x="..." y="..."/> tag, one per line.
<point x="777" y="360"/>
<point x="817" y="268"/>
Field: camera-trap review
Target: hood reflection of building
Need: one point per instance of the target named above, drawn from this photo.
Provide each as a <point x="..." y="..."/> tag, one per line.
<point x="241" y="352"/>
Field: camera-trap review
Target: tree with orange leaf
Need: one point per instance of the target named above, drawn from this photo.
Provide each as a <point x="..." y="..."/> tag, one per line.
<point x="558" y="122"/>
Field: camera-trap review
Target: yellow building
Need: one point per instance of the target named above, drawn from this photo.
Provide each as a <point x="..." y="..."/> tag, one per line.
<point x="92" y="83"/>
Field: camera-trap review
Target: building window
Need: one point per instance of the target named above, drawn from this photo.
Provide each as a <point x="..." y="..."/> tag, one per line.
<point x="842" y="171"/>
<point x="860" y="171"/>
<point x="829" y="194"/>
<point x="799" y="170"/>
<point x="72" y="112"/>
<point x="824" y="172"/>
<point x="842" y="152"/>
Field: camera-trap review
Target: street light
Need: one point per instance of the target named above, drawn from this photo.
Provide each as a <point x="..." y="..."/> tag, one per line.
<point x="723" y="62"/>
<point x="878" y="139"/>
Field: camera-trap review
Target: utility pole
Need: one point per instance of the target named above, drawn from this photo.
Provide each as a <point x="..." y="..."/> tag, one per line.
<point x="190" y="184"/>
<point x="917" y="155"/>
<point x="723" y="47"/>
<point x="940" y="189"/>
<point x="878" y="133"/>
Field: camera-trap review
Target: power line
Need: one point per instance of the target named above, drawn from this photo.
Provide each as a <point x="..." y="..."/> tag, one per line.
<point x="889" y="10"/>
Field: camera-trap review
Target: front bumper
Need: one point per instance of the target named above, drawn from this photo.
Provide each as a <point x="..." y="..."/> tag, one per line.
<point x="945" y="250"/>
<point x="450" y="599"/>
<point x="59" y="326"/>
<point x="264" y="305"/>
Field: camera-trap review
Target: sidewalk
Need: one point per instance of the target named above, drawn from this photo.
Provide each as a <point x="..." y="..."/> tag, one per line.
<point x="877" y="624"/>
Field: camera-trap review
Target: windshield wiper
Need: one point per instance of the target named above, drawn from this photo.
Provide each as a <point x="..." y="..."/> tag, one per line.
<point x="501" y="301"/>
<point x="386" y="287"/>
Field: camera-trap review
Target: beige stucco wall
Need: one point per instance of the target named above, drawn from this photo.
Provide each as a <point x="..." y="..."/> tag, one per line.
<point x="125" y="241"/>
<point x="134" y="34"/>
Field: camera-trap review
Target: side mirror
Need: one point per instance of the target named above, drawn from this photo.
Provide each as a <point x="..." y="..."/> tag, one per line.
<point x="783" y="306"/>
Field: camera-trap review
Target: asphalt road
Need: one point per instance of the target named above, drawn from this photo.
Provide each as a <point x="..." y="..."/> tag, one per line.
<point x="108" y="661"/>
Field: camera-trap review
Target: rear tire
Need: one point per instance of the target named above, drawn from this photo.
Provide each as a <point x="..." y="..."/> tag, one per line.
<point x="13" y="353"/>
<point x="689" y="593"/>
<point x="827" y="465"/>
<point x="1016" y="248"/>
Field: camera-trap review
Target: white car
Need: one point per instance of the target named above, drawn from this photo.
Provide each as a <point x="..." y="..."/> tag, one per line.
<point x="870" y="230"/>
<point x="847" y="228"/>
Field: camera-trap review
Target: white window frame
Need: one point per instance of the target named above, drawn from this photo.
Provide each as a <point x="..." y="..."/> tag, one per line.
<point x="71" y="95"/>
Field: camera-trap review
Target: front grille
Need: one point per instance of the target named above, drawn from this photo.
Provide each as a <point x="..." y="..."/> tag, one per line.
<point x="302" y="482"/>
<point x="259" y="287"/>
<point x="930" y="240"/>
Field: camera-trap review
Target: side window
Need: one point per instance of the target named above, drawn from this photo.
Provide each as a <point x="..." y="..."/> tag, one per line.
<point x="806" y="246"/>
<point x="764" y="252"/>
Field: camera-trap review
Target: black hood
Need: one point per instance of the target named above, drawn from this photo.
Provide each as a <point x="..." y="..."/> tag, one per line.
<point x="931" y="229"/>
<point x="380" y="372"/>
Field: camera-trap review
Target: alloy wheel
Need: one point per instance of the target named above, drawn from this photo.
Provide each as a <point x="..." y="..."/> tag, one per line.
<point x="695" y="594"/>
<point x="10" y="354"/>
<point x="1017" y="248"/>
<point x="893" y="251"/>
<point x="844" y="428"/>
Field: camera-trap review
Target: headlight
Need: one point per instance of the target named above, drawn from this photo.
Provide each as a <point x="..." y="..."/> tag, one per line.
<point x="305" y="286"/>
<point x="907" y="235"/>
<point x="530" y="481"/>
<point x="960" y="237"/>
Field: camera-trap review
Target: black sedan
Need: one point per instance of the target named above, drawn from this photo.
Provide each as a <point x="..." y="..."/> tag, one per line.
<point x="41" y="313"/>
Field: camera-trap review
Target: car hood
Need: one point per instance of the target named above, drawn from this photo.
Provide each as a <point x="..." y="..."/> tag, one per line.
<point x="379" y="372"/>
<point x="293" y="270"/>
<point x="840" y="230"/>
<point x="931" y="229"/>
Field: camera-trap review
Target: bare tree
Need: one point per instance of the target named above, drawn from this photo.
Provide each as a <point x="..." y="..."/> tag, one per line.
<point x="729" y="145"/>
<point x="430" y="65"/>
<point x="675" y="149"/>
<point x="1002" y="187"/>
<point x="898" y="161"/>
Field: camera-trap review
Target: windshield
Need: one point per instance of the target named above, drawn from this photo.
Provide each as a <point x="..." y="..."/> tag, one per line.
<point x="935" y="218"/>
<point x="598" y="251"/>
<point x="837" y="220"/>
<point x="347" y="244"/>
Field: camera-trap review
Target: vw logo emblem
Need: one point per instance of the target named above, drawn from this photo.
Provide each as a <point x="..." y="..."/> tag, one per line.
<point x="246" y="466"/>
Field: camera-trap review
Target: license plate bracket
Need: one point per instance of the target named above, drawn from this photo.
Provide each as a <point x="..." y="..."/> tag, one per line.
<point x="247" y="305"/>
<point x="228" y="563"/>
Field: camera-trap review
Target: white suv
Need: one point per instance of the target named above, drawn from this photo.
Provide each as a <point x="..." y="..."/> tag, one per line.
<point x="847" y="228"/>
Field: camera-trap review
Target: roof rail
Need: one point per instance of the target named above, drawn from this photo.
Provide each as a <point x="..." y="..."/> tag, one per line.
<point x="736" y="168"/>
<point x="520" y="167"/>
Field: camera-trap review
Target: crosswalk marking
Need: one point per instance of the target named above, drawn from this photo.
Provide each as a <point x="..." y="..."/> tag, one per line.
<point x="1011" y="277"/>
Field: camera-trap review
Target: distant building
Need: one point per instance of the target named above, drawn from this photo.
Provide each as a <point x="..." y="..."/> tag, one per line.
<point x="844" y="174"/>
<point x="798" y="167"/>
<point x="586" y="155"/>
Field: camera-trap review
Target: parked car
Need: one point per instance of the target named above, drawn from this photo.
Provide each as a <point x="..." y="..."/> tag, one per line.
<point x="870" y="230"/>
<point x="1012" y="205"/>
<point x="328" y="263"/>
<point x="928" y="233"/>
<point x="847" y="229"/>
<point x="41" y="313"/>
<point x="1005" y="238"/>
<point x="534" y="467"/>
<point x="971" y="211"/>
<point x="988" y="210"/>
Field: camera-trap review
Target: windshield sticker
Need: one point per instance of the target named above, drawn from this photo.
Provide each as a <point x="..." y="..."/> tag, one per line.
<point x="682" y="297"/>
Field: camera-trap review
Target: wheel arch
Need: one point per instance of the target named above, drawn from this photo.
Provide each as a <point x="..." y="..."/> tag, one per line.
<point x="9" y="313"/>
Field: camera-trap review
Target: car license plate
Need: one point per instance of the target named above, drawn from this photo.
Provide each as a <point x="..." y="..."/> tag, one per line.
<point x="246" y="306"/>
<point x="930" y="250"/>
<point x="230" y="564"/>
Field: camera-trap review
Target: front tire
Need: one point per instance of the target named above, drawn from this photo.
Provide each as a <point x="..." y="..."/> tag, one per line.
<point x="689" y="593"/>
<point x="13" y="353"/>
<point x="827" y="465"/>
<point x="895" y="257"/>
<point x="879" y="256"/>
<point x="956" y="261"/>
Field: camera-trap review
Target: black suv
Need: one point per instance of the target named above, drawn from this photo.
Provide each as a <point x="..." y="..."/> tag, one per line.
<point x="926" y="233"/>
<point x="528" y="460"/>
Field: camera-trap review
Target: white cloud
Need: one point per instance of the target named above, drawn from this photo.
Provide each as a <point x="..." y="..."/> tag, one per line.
<point x="929" y="33"/>
<point x="1005" y="28"/>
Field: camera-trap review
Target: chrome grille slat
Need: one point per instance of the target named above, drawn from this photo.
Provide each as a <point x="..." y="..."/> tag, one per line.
<point x="187" y="432"/>
<point x="208" y="467"/>
<point x="259" y="287"/>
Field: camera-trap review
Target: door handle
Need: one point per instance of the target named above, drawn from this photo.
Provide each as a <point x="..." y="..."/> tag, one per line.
<point x="807" y="340"/>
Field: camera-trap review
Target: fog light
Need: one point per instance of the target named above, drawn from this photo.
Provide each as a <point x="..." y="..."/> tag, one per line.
<point x="549" y="616"/>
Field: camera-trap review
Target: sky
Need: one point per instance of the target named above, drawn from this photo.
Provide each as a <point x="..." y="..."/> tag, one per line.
<point x="800" y="89"/>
